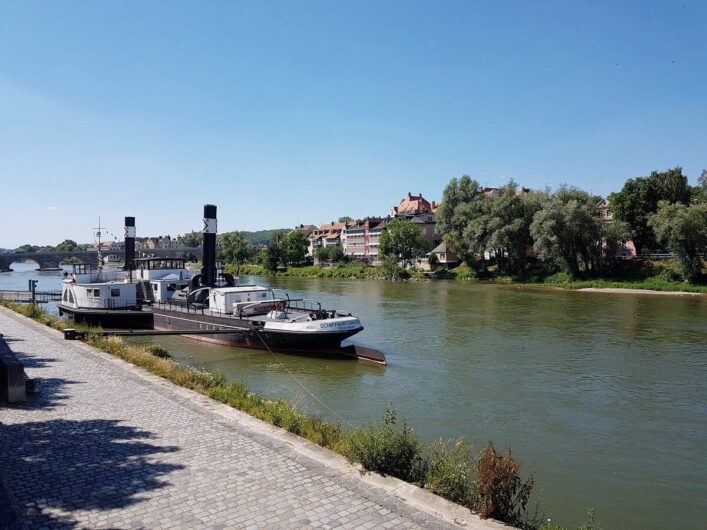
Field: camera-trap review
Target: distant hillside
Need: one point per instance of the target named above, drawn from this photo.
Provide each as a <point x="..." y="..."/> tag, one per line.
<point x="264" y="237"/>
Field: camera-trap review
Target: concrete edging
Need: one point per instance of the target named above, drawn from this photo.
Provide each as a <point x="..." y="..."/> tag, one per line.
<point x="412" y="495"/>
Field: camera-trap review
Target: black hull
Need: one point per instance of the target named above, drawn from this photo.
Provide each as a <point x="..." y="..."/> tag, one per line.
<point x="109" y="318"/>
<point x="246" y="335"/>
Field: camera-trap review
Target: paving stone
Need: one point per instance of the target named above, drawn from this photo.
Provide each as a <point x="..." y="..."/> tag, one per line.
<point x="100" y="446"/>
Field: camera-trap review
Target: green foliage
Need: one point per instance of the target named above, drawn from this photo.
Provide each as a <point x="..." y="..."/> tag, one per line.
<point x="332" y="253"/>
<point x="234" y="247"/>
<point x="475" y="224"/>
<point x="263" y="237"/>
<point x="294" y="248"/>
<point x="450" y="471"/>
<point x="391" y="270"/>
<point x="502" y="493"/>
<point x="463" y="272"/>
<point x="388" y="448"/>
<point x="345" y="219"/>
<point x="272" y="257"/>
<point x="157" y="351"/>
<point x="459" y="218"/>
<point x="639" y="198"/>
<point x="191" y="239"/>
<point x="27" y="248"/>
<point x="569" y="233"/>
<point x="67" y="245"/>
<point x="683" y="230"/>
<point x="402" y="241"/>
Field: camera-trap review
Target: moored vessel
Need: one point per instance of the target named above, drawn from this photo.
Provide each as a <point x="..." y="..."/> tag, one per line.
<point x="254" y="316"/>
<point x="92" y="294"/>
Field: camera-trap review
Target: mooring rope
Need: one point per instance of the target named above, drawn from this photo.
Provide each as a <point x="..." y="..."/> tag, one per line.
<point x="289" y="372"/>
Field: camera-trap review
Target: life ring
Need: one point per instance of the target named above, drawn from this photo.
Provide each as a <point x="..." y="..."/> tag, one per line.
<point x="279" y="306"/>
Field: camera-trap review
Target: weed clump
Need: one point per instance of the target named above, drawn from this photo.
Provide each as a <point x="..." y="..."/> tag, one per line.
<point x="502" y="493"/>
<point x="450" y="471"/>
<point x="390" y="448"/>
<point x="157" y="351"/>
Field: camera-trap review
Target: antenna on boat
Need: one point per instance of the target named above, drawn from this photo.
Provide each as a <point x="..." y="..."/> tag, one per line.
<point x="97" y="235"/>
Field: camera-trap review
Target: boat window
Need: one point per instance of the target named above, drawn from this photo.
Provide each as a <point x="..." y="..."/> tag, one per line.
<point x="71" y="297"/>
<point x="65" y="297"/>
<point x="115" y="292"/>
<point x="264" y="295"/>
<point x="89" y="293"/>
<point x="172" y="287"/>
<point x="97" y="292"/>
<point x="154" y="287"/>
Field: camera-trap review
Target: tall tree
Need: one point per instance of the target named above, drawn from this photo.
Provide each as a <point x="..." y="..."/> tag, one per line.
<point x="462" y="205"/>
<point x="191" y="239"/>
<point x="510" y="216"/>
<point x="271" y="257"/>
<point x="294" y="248"/>
<point x="683" y="230"/>
<point x="568" y="231"/>
<point x="234" y="247"/>
<point x="402" y="241"/>
<point x="639" y="198"/>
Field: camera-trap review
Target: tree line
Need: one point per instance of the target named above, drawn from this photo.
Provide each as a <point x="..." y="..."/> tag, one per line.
<point x="536" y="232"/>
<point x="565" y="229"/>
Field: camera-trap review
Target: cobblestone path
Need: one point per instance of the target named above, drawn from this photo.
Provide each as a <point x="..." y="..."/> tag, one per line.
<point x="105" y="445"/>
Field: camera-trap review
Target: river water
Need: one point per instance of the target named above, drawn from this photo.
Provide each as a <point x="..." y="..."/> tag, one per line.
<point x="602" y="396"/>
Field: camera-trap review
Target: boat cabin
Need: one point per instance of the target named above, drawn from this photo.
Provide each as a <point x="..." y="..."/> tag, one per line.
<point x="91" y="287"/>
<point x="165" y="276"/>
<point x="158" y="268"/>
<point x="243" y="300"/>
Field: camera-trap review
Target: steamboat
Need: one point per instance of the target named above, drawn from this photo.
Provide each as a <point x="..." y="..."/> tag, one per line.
<point x="250" y="316"/>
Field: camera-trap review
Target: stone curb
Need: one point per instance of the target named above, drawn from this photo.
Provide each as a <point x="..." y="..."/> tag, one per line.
<point x="412" y="495"/>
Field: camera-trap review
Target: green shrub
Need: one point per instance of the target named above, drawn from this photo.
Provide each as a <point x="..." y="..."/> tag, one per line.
<point x="389" y="448"/>
<point x="463" y="272"/>
<point x="670" y="274"/>
<point x="559" y="277"/>
<point x="450" y="471"/>
<point x="502" y="493"/>
<point x="157" y="351"/>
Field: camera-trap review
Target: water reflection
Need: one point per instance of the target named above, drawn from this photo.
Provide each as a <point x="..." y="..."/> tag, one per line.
<point x="602" y="395"/>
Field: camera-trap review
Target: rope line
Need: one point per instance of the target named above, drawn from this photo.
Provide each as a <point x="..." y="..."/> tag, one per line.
<point x="289" y="372"/>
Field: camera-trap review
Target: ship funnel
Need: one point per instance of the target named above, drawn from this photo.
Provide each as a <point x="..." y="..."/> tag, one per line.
<point x="129" y="244"/>
<point x="208" y="268"/>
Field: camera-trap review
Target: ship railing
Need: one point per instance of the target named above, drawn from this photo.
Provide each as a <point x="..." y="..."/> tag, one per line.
<point x="260" y="306"/>
<point x="42" y="297"/>
<point x="305" y="304"/>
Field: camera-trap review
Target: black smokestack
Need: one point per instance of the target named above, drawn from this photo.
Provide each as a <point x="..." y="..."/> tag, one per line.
<point x="129" y="244"/>
<point x="208" y="268"/>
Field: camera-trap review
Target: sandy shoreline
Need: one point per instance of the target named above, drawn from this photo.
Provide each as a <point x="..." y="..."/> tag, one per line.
<point x="614" y="290"/>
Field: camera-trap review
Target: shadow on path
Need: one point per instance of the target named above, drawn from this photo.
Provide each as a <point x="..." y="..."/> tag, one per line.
<point x="54" y="467"/>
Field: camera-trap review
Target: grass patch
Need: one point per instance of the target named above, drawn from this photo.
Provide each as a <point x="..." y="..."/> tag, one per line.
<point x="489" y="484"/>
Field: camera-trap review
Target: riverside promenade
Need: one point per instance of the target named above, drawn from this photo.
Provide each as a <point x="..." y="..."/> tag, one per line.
<point x="105" y="444"/>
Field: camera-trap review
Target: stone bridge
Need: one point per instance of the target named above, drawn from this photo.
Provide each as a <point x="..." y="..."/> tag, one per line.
<point x="50" y="260"/>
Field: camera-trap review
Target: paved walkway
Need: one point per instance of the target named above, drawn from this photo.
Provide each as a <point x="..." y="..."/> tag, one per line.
<point x="106" y="445"/>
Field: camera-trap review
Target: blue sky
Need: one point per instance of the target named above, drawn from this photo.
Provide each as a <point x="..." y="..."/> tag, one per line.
<point x="300" y="112"/>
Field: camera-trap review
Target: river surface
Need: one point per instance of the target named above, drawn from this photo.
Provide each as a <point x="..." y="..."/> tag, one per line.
<point x="602" y="396"/>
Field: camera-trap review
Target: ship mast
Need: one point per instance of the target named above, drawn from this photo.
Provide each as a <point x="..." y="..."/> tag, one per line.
<point x="97" y="235"/>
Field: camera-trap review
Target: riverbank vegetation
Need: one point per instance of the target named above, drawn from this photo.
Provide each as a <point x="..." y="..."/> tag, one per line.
<point x="537" y="234"/>
<point x="489" y="483"/>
